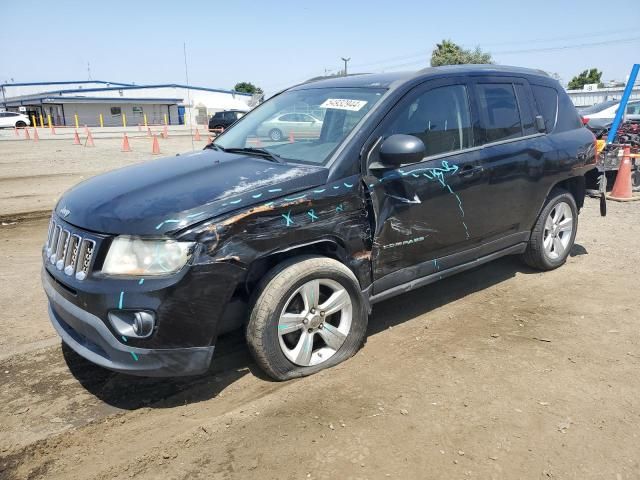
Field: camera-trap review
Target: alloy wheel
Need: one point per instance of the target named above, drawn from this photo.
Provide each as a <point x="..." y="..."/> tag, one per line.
<point x="558" y="229"/>
<point x="315" y="322"/>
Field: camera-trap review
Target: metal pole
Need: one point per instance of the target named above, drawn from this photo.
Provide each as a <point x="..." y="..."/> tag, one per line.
<point x="345" y="60"/>
<point x="623" y="103"/>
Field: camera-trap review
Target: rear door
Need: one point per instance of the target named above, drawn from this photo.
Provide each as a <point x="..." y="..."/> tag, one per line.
<point x="512" y="157"/>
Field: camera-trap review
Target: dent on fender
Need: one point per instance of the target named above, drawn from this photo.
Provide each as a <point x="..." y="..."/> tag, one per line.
<point x="334" y="213"/>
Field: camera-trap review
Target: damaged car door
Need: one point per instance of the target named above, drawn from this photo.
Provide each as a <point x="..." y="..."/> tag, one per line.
<point x="424" y="205"/>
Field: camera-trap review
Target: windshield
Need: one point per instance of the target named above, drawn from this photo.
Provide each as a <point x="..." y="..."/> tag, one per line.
<point x="302" y="125"/>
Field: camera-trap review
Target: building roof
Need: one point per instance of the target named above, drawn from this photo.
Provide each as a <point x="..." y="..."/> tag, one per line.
<point x="117" y="87"/>
<point x="40" y="99"/>
<point x="70" y="82"/>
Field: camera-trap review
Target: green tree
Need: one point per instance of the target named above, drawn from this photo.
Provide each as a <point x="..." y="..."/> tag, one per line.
<point x="450" y="53"/>
<point x="247" y="87"/>
<point x="585" y="78"/>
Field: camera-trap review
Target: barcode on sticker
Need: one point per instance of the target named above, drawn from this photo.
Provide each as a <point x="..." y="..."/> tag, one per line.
<point x="343" y="104"/>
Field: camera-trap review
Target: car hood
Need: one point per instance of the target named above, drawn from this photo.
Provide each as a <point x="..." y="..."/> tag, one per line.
<point x="173" y="193"/>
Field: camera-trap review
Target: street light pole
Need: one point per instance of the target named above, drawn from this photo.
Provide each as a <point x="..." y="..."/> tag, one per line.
<point x="345" y="60"/>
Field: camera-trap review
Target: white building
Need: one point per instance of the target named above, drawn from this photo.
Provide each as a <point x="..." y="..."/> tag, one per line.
<point x="118" y="102"/>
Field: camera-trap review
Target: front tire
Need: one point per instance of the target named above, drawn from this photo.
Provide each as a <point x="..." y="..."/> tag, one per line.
<point x="20" y="124"/>
<point x="554" y="232"/>
<point x="308" y="316"/>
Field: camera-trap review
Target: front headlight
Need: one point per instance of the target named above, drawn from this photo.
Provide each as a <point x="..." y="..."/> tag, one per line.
<point x="135" y="256"/>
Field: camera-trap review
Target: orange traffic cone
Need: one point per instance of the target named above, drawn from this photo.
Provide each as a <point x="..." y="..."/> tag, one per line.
<point x="291" y="137"/>
<point x="36" y="137"/>
<point x="165" y="132"/>
<point x="86" y="130"/>
<point x="622" y="186"/>
<point x="26" y="134"/>
<point x="258" y="142"/>
<point x="53" y="130"/>
<point x="148" y="131"/>
<point x="125" y="144"/>
<point x="197" y="136"/>
<point x="89" y="142"/>
<point x="209" y="140"/>
<point x="76" y="138"/>
<point x="15" y="129"/>
<point x="155" y="149"/>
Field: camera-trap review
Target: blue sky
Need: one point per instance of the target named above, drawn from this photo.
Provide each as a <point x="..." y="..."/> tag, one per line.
<point x="276" y="44"/>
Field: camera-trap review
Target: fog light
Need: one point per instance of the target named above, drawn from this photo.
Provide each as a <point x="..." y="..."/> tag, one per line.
<point x="143" y="324"/>
<point x="133" y="324"/>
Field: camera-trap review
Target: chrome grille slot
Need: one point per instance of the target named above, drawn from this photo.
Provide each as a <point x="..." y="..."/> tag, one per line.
<point x="69" y="251"/>
<point x="63" y="243"/>
<point x="53" y="249"/>
<point x="84" y="260"/>
<point x="71" y="258"/>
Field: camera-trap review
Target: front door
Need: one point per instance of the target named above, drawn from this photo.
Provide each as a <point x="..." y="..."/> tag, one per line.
<point x="425" y="212"/>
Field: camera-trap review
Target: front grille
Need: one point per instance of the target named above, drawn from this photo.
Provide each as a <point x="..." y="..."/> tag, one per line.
<point x="69" y="250"/>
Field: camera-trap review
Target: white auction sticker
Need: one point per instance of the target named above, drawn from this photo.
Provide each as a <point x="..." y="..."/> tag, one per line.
<point x="343" y="104"/>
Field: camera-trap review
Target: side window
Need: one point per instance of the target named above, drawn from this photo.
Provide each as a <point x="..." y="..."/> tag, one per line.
<point x="524" y="105"/>
<point x="439" y="117"/>
<point x="568" y="118"/>
<point x="633" y="108"/>
<point x="289" y="117"/>
<point x="498" y="110"/>
<point x="547" y="102"/>
<point x="115" y="111"/>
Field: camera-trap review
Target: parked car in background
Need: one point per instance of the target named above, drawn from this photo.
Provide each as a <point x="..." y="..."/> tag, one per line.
<point x="414" y="176"/>
<point x="225" y="119"/>
<point x="14" y="119"/>
<point x="601" y="115"/>
<point x="301" y="125"/>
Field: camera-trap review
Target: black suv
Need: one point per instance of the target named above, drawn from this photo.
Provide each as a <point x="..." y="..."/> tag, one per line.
<point x="223" y="120"/>
<point x="412" y="177"/>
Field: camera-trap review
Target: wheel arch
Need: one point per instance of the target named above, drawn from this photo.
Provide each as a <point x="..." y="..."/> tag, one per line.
<point x="327" y="247"/>
<point x="576" y="186"/>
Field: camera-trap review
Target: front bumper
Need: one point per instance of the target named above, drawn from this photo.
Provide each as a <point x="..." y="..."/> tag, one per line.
<point x="88" y="336"/>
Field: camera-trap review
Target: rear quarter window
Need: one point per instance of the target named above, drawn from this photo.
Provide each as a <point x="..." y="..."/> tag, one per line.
<point x="547" y="102"/>
<point x="568" y="117"/>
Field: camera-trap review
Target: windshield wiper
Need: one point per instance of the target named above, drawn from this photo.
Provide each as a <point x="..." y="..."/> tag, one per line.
<point x="257" y="151"/>
<point x="214" y="146"/>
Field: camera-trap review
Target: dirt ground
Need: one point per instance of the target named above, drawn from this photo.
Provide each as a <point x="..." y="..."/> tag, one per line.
<point x="499" y="372"/>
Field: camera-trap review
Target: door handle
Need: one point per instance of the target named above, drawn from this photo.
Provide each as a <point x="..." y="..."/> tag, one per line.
<point x="469" y="170"/>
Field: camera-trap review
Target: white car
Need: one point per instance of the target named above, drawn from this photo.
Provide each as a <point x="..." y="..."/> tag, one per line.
<point x="602" y="114"/>
<point x="296" y="124"/>
<point x="13" y="119"/>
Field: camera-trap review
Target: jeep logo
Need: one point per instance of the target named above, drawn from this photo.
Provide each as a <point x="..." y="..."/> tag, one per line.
<point x="64" y="211"/>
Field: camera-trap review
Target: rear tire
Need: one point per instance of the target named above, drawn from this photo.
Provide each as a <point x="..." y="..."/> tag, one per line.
<point x="275" y="134"/>
<point x="554" y="232"/>
<point x="288" y="324"/>
<point x="20" y="124"/>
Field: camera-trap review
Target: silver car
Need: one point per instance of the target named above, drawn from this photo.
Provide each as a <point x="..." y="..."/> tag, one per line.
<point x="287" y="125"/>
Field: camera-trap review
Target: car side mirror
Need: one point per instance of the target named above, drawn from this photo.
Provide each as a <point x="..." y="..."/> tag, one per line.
<point x="399" y="150"/>
<point x="540" y="126"/>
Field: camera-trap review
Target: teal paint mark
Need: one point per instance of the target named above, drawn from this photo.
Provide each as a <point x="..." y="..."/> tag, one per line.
<point x="124" y="339"/>
<point x="313" y="215"/>
<point x="141" y="281"/>
<point x="268" y="204"/>
<point x="193" y="215"/>
<point x="257" y="195"/>
<point x="319" y="190"/>
<point x="121" y="300"/>
<point x="335" y="187"/>
<point x="159" y="226"/>
<point x="371" y="185"/>
<point x="274" y="190"/>
<point x="288" y="218"/>
<point x="340" y="208"/>
<point x="348" y="185"/>
<point x="135" y="357"/>
<point x="233" y="202"/>
<point x="225" y="204"/>
<point x="299" y="197"/>
<point x="435" y="264"/>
